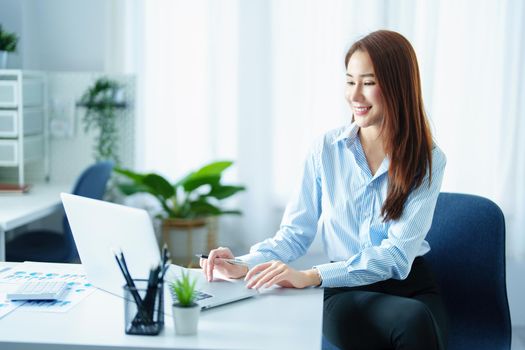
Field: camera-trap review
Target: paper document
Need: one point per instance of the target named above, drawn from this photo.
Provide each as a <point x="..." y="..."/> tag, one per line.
<point x="78" y="285"/>
<point x="6" y="305"/>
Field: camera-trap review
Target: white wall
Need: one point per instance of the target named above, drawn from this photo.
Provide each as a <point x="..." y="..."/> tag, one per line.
<point x="60" y="35"/>
<point x="11" y="20"/>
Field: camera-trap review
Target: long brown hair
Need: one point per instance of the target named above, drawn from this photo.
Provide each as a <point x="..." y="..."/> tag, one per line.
<point x="405" y="130"/>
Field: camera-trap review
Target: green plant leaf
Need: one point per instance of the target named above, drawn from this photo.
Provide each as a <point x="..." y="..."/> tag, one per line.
<point x="195" y="182"/>
<point x="159" y="185"/>
<point x="101" y="101"/>
<point x="184" y="289"/>
<point x="203" y="208"/>
<point x="131" y="188"/>
<point x="136" y="177"/>
<point x="8" y="41"/>
<point x="184" y="206"/>
<point x="222" y="192"/>
<point x="209" y="174"/>
<point x="214" y="168"/>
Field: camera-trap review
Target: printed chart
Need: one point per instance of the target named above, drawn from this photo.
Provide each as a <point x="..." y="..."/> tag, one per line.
<point x="78" y="285"/>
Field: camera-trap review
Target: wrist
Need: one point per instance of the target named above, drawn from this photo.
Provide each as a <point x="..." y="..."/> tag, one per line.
<point x="314" y="277"/>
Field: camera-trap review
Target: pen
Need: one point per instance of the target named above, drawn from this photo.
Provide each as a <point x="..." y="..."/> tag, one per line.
<point x="230" y="261"/>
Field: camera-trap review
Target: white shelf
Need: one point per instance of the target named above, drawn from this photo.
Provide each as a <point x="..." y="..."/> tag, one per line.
<point x="23" y="120"/>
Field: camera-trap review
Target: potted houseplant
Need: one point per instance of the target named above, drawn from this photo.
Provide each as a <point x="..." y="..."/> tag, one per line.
<point x="191" y="202"/>
<point x="8" y="42"/>
<point x="185" y="309"/>
<point x="102" y="101"/>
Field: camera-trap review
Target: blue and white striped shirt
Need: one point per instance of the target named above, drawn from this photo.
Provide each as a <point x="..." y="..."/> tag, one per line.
<point x="341" y="198"/>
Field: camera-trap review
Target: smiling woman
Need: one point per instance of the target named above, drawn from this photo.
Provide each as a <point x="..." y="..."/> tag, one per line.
<point x="371" y="186"/>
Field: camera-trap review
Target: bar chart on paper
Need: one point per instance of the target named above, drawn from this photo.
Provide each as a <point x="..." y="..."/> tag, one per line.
<point x="78" y="287"/>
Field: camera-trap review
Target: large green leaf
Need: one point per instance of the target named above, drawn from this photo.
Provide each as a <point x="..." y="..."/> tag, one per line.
<point x="137" y="177"/>
<point x="214" y="168"/>
<point x="202" y="208"/>
<point x="131" y="188"/>
<point x="159" y="185"/>
<point x="221" y="192"/>
<point x="209" y="174"/>
<point x="193" y="183"/>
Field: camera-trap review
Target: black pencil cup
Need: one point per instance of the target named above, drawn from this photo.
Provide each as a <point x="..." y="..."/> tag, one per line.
<point x="147" y="318"/>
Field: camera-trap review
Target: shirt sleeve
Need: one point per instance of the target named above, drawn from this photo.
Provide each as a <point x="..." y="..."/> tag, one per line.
<point x="394" y="256"/>
<point x="299" y="223"/>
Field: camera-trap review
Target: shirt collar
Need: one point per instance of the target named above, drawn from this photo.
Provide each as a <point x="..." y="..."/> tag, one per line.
<point x="348" y="134"/>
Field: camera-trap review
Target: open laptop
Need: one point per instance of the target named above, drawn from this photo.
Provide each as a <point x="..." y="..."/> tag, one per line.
<point x="99" y="228"/>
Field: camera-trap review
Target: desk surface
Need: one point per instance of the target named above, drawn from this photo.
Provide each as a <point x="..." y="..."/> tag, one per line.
<point x="21" y="209"/>
<point x="276" y="319"/>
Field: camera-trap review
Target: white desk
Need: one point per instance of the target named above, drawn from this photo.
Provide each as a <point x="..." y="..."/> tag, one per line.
<point x="20" y="209"/>
<point x="280" y="319"/>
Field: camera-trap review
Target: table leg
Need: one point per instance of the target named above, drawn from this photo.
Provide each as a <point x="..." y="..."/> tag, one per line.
<point x="2" y="245"/>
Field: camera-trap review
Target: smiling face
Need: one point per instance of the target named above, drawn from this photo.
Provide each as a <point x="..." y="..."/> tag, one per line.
<point x="363" y="92"/>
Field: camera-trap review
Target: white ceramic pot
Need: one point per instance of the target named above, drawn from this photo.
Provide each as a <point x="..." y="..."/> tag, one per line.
<point x="3" y="59"/>
<point x="186" y="319"/>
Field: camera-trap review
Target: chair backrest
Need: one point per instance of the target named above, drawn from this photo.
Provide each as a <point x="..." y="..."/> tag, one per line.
<point x="92" y="184"/>
<point x="467" y="241"/>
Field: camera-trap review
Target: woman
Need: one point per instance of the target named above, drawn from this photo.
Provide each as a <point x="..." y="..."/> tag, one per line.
<point x="373" y="187"/>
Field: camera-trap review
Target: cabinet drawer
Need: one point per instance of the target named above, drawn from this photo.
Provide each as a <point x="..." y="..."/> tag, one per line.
<point x="33" y="122"/>
<point x="8" y="124"/>
<point x="8" y="94"/>
<point x="10" y="153"/>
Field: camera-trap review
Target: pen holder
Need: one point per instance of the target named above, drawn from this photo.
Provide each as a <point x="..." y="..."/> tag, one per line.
<point x="148" y="317"/>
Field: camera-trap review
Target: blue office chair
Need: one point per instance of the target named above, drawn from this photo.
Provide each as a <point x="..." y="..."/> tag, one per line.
<point x="50" y="246"/>
<point x="467" y="241"/>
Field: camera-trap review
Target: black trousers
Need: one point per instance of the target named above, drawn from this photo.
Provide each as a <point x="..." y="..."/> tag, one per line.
<point x="392" y="314"/>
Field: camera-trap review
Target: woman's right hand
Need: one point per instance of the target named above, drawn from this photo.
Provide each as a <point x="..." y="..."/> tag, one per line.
<point x="215" y="261"/>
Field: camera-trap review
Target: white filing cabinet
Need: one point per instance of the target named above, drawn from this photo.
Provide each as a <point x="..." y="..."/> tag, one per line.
<point x="23" y="120"/>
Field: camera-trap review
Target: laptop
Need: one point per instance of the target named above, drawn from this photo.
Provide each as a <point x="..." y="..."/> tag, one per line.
<point x="99" y="228"/>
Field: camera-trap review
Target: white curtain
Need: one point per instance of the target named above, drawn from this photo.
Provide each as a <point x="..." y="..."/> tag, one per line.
<point x="257" y="81"/>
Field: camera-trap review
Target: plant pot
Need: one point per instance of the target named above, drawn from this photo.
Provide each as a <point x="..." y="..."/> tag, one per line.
<point x="187" y="237"/>
<point x="3" y="59"/>
<point x="186" y="319"/>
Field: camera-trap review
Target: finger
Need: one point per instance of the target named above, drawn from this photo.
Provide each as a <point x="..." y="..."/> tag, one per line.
<point x="268" y="276"/>
<point x="271" y="266"/>
<point x="213" y="259"/>
<point x="211" y="264"/>
<point x="255" y="270"/>
<point x="276" y="279"/>
<point x="270" y="273"/>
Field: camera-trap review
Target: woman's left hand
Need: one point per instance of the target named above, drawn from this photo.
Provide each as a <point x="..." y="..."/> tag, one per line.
<point x="278" y="273"/>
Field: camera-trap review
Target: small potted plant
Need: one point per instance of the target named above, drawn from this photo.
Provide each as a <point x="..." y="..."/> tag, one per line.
<point x="8" y="42"/>
<point x="185" y="310"/>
